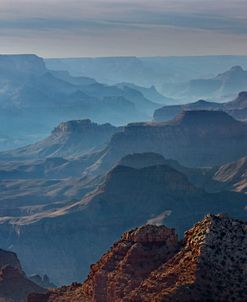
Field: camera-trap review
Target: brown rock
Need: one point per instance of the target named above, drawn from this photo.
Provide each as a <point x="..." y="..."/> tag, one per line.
<point x="148" y="264"/>
<point x="211" y="266"/>
<point x="123" y="268"/>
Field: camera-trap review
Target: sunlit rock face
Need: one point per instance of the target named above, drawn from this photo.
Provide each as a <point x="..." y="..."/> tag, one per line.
<point x="210" y="266"/>
<point x="150" y="264"/>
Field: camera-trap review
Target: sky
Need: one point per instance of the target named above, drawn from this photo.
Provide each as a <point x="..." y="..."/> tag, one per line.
<point x="89" y="28"/>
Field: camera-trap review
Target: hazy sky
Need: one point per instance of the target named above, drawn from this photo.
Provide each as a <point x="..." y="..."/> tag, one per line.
<point x="67" y="28"/>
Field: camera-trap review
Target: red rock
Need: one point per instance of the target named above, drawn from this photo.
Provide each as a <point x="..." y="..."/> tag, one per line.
<point x="148" y="264"/>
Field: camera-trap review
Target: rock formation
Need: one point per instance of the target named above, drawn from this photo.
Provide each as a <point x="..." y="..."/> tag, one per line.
<point x="194" y="138"/>
<point x="141" y="160"/>
<point x="68" y="139"/>
<point x="167" y="113"/>
<point x="128" y="263"/>
<point x="9" y="258"/>
<point x="211" y="266"/>
<point x="240" y="102"/>
<point x="236" y="108"/>
<point x="14" y="285"/>
<point x="43" y="281"/>
<point x="231" y="176"/>
<point x="150" y="264"/>
<point x="227" y="83"/>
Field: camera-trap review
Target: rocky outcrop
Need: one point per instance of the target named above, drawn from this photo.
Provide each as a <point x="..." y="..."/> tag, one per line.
<point x="231" y="176"/>
<point x="68" y="139"/>
<point x="129" y="262"/>
<point x="211" y="266"/>
<point x="121" y="269"/>
<point x="148" y="159"/>
<point x="150" y="264"/>
<point x="9" y="258"/>
<point x="227" y="177"/>
<point x="150" y="93"/>
<point x="14" y="285"/>
<point x="236" y="108"/>
<point x="80" y="126"/>
<point x="141" y="160"/>
<point x="194" y="138"/>
<point x="227" y="83"/>
<point x="240" y="102"/>
<point x="167" y="113"/>
<point x="21" y="66"/>
<point x="43" y="281"/>
<point x="203" y="118"/>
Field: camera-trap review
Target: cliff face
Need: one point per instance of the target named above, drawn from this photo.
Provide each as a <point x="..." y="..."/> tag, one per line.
<point x="236" y="108"/>
<point x="167" y="113"/>
<point x="129" y="262"/>
<point x="211" y="266"/>
<point x="232" y="176"/>
<point x="239" y="102"/>
<point x="42" y="281"/>
<point x="194" y="138"/>
<point x="21" y="66"/>
<point x="14" y="285"/>
<point x="123" y="268"/>
<point x="149" y="264"/>
<point x="138" y="161"/>
<point x="228" y="83"/>
<point x="68" y="139"/>
<point x="9" y="258"/>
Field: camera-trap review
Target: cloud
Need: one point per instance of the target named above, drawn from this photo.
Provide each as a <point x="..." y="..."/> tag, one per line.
<point x="98" y="21"/>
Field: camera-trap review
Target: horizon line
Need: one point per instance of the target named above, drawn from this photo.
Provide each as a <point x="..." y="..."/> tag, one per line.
<point x="123" y="56"/>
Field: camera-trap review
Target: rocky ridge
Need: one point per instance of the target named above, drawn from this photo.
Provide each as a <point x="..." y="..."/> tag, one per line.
<point x="69" y="139"/>
<point x="194" y="138"/>
<point x="15" y="286"/>
<point x="237" y="108"/>
<point x="211" y="266"/>
<point x="150" y="264"/>
<point x="227" y="83"/>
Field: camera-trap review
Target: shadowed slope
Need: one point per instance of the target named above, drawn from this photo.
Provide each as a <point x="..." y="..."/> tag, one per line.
<point x="127" y="198"/>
